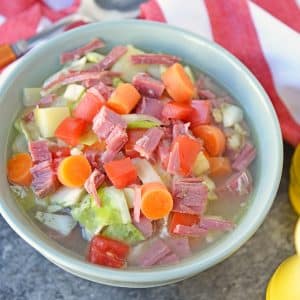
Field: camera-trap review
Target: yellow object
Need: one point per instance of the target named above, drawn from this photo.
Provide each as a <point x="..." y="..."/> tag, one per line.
<point x="297" y="237"/>
<point x="296" y="160"/>
<point x="294" y="198"/>
<point x="89" y="138"/>
<point x="48" y="119"/>
<point x="284" y="284"/>
<point x="294" y="187"/>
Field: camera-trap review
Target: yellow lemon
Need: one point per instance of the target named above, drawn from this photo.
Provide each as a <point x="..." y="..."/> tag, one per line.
<point x="294" y="196"/>
<point x="284" y="284"/>
<point x="294" y="180"/>
<point x="297" y="237"/>
<point x="296" y="161"/>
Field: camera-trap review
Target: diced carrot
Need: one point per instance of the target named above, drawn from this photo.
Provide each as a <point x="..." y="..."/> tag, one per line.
<point x="133" y="136"/>
<point x="18" y="169"/>
<point x="219" y="166"/>
<point x="124" y="98"/>
<point x="157" y="202"/>
<point x="177" y="111"/>
<point x="73" y="171"/>
<point x="121" y="172"/>
<point x="188" y="149"/>
<point x="213" y="138"/>
<point x="182" y="219"/>
<point x="178" y="84"/>
<point x="88" y="107"/>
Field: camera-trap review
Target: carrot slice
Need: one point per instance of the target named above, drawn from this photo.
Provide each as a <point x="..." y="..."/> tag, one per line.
<point x="219" y="166"/>
<point x="121" y="172"/>
<point x="124" y="98"/>
<point x="18" y="169"/>
<point x="178" y="84"/>
<point x="73" y="171"/>
<point x="157" y="202"/>
<point x="213" y="138"/>
<point x="182" y="219"/>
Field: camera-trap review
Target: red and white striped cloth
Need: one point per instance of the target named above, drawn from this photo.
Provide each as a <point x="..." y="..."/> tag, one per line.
<point x="263" y="34"/>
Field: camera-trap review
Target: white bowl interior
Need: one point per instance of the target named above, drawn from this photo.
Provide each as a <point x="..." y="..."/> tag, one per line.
<point x="208" y="57"/>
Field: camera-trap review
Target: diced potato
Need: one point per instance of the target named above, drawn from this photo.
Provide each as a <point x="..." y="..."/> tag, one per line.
<point x="201" y="165"/>
<point x="156" y="70"/>
<point x="211" y="187"/>
<point x="31" y="96"/>
<point x="126" y="67"/>
<point x="231" y="114"/>
<point x="217" y="115"/>
<point x="48" y="119"/>
<point x="234" y="141"/>
<point x="73" y="92"/>
<point x="89" y="138"/>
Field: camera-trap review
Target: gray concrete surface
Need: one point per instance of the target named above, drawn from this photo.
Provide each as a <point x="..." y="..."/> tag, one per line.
<point x="26" y="275"/>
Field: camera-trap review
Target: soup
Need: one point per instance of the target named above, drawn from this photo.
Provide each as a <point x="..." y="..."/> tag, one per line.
<point x="130" y="159"/>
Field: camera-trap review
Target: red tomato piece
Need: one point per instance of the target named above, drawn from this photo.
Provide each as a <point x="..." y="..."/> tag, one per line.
<point x="121" y="172"/>
<point x="188" y="150"/>
<point x="107" y="252"/>
<point x="88" y="107"/>
<point x="133" y="136"/>
<point x="182" y="219"/>
<point x="177" y="111"/>
<point x="70" y="130"/>
<point x="59" y="152"/>
<point x="201" y="113"/>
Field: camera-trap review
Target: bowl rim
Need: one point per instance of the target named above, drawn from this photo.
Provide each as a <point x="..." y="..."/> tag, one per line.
<point x="171" y="273"/>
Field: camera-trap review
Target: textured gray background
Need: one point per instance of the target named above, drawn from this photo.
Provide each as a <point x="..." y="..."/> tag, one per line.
<point x="26" y="275"/>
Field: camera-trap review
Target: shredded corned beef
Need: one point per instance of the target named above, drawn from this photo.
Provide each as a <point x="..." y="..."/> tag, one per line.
<point x="44" y="180"/>
<point x="192" y="231"/>
<point x="46" y="101"/>
<point x="163" y="152"/>
<point x="215" y="223"/>
<point x="137" y="203"/>
<point x="105" y="121"/>
<point x="39" y="151"/>
<point x="171" y="258"/>
<point x="245" y="157"/>
<point x="93" y="183"/>
<point x="147" y="144"/>
<point x="148" y="86"/>
<point x="144" y="225"/>
<point x="156" y="59"/>
<point x="179" y="245"/>
<point x="189" y="195"/>
<point x="154" y="253"/>
<point x="150" y="106"/>
<point x="109" y="59"/>
<point x="77" y="53"/>
<point x="180" y="128"/>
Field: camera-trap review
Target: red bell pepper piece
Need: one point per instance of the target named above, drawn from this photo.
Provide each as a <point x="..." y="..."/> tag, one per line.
<point x="177" y="111"/>
<point x="182" y="219"/>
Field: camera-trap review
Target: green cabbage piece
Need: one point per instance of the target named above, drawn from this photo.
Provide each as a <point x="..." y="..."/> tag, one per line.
<point x="141" y="121"/>
<point x="127" y="233"/>
<point x="113" y="210"/>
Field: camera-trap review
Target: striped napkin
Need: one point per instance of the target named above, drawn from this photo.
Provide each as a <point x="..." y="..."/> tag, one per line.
<point x="263" y="34"/>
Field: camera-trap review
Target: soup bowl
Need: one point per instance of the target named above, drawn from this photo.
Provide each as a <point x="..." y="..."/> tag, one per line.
<point x="208" y="57"/>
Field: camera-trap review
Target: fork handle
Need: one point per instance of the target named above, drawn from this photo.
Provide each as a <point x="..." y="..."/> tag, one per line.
<point x="7" y="55"/>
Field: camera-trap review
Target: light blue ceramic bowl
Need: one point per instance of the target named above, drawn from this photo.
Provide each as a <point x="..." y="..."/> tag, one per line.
<point x="208" y="57"/>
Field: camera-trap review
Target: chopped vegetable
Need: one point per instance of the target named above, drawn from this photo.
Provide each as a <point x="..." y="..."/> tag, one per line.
<point x="126" y="233"/>
<point x="61" y="223"/>
<point x="31" y="96"/>
<point x="18" y="169"/>
<point x="126" y="67"/>
<point x="141" y="121"/>
<point x="201" y="164"/>
<point x="182" y="219"/>
<point x="73" y="92"/>
<point x="89" y="139"/>
<point x="117" y="81"/>
<point x="116" y="200"/>
<point x="121" y="172"/>
<point x="20" y="144"/>
<point x="231" y="115"/>
<point x="65" y="196"/>
<point x="70" y="130"/>
<point x="145" y="171"/>
<point x="219" y="166"/>
<point x="157" y="202"/>
<point x="73" y="171"/>
<point x="177" y="111"/>
<point x="49" y="118"/>
<point x="94" y="57"/>
<point x="189" y="72"/>
<point x="213" y="138"/>
<point x="124" y="98"/>
<point x="88" y="107"/>
<point x="178" y="84"/>
<point x="187" y="150"/>
<point x="129" y="195"/>
<point x="107" y="252"/>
